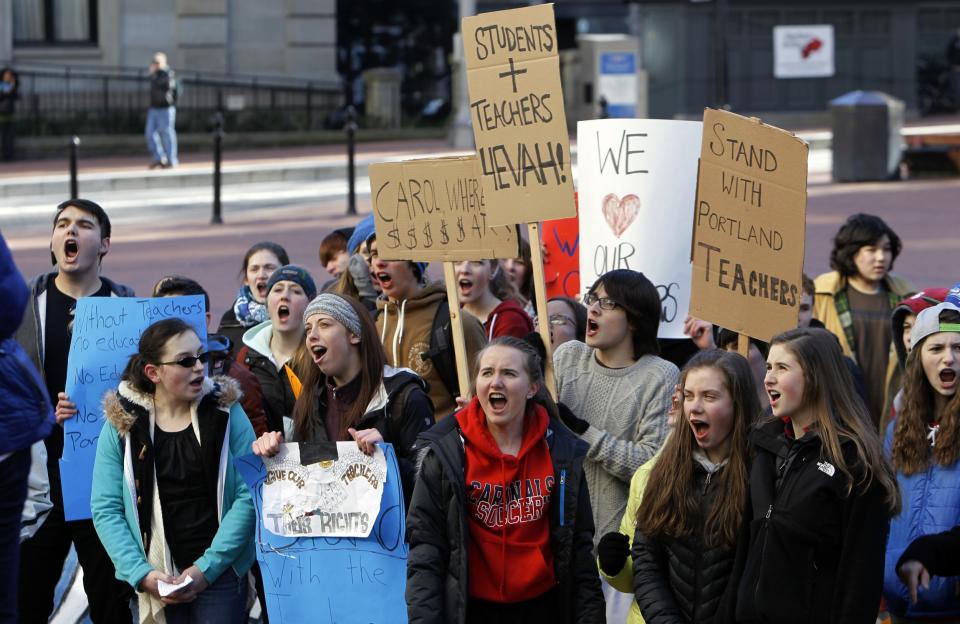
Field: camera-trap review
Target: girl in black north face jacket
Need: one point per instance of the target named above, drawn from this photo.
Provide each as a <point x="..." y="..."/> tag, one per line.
<point x="687" y="524"/>
<point x="821" y="494"/>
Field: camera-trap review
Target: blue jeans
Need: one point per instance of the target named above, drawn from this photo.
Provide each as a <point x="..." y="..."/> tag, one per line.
<point x="224" y="602"/>
<point x="161" y="134"/>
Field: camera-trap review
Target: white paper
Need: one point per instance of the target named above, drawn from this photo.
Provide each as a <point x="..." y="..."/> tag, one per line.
<point x="637" y="187"/>
<point x="165" y="589"/>
<point x="326" y="499"/>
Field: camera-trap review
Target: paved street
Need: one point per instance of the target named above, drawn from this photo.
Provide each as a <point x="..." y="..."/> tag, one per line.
<point x="158" y="231"/>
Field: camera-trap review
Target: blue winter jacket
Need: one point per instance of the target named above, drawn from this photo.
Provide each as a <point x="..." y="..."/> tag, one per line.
<point x="931" y="504"/>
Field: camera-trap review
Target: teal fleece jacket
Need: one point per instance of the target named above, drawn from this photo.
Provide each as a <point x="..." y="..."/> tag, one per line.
<point x="113" y="498"/>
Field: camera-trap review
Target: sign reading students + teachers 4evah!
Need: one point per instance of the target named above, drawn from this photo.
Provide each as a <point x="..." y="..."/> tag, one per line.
<point x="516" y="107"/>
<point x="748" y="226"/>
<point x="106" y="332"/>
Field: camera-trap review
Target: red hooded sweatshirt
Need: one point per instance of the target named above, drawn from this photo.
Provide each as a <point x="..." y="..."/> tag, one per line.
<point x="508" y="499"/>
<point x="508" y="319"/>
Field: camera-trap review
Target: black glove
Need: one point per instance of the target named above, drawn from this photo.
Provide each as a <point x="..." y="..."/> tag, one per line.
<point x="612" y="552"/>
<point x="577" y="425"/>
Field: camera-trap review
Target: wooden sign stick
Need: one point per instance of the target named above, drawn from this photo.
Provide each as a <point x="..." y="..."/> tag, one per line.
<point x="456" y="328"/>
<point x="540" y="294"/>
<point x="743" y="345"/>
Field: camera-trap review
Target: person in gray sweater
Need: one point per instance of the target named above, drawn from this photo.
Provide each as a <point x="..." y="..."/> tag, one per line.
<point x="619" y="391"/>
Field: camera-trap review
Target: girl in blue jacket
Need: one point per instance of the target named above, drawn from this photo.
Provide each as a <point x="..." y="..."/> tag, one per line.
<point x="167" y="503"/>
<point x="924" y="444"/>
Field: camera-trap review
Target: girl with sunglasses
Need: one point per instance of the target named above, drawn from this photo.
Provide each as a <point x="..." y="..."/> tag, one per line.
<point x="167" y="503"/>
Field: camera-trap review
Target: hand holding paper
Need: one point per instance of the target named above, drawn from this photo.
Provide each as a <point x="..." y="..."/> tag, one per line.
<point x="165" y="589"/>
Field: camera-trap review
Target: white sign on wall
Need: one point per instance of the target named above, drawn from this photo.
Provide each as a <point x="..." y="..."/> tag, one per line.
<point x="637" y="187"/>
<point x="803" y="51"/>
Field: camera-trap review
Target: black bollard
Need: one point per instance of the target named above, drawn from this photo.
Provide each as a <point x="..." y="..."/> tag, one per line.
<point x="351" y="127"/>
<point x="217" y="157"/>
<point x="74" y="144"/>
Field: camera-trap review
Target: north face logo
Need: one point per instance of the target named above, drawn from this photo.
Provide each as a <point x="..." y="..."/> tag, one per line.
<point x="826" y="468"/>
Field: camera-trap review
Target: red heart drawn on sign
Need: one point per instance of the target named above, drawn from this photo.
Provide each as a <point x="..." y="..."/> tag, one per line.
<point x="620" y="213"/>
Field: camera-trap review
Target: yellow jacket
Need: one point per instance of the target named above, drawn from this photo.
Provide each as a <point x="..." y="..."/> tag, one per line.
<point x="623" y="581"/>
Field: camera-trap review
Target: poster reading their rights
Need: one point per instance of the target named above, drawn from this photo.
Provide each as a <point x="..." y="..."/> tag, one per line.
<point x="749" y="225"/>
<point x="516" y="106"/>
<point x="637" y="184"/>
<point x="348" y="580"/>
<point x="106" y="332"/>
<point x="436" y="209"/>
<point x="326" y="498"/>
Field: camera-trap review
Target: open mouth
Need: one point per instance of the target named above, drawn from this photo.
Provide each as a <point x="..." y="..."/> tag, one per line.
<point x="384" y="278"/>
<point x="592" y="327"/>
<point x="318" y="352"/>
<point x="700" y="428"/>
<point x="774" y="396"/>
<point x="465" y="286"/>
<point x="196" y="382"/>
<point x="283" y="313"/>
<point x="498" y="400"/>
<point x="948" y="377"/>
<point x="261" y="289"/>
<point x="71" y="249"/>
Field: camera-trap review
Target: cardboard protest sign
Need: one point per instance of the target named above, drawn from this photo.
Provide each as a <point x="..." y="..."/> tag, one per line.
<point x="516" y="106"/>
<point x="323" y="499"/>
<point x="561" y="238"/>
<point x="435" y="209"/>
<point x="349" y="580"/>
<point x="637" y="181"/>
<point x="749" y="225"/>
<point x="106" y="332"/>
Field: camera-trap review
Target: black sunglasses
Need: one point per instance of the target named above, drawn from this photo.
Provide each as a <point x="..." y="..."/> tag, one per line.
<point x="189" y="361"/>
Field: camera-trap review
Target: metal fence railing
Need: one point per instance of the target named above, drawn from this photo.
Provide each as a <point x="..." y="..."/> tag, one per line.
<point x="97" y="100"/>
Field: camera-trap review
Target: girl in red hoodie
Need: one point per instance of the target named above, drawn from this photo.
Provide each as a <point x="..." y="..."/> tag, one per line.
<point x="486" y="293"/>
<point x="500" y="527"/>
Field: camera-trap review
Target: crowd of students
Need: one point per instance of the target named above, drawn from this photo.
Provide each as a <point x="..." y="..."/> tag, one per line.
<point x="815" y="480"/>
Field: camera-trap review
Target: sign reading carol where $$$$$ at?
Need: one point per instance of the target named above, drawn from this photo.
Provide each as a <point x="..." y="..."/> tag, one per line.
<point x="435" y="209"/>
<point x="516" y="107"/>
<point x="748" y="226"/>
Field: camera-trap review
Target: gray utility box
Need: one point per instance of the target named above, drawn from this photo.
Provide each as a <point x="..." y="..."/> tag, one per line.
<point x="867" y="141"/>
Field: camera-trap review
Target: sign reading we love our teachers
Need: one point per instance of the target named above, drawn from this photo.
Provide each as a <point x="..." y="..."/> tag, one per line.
<point x="637" y="186"/>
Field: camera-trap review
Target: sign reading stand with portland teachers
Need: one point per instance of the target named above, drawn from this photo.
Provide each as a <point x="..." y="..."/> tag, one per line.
<point x="516" y="107"/>
<point x="748" y="225"/>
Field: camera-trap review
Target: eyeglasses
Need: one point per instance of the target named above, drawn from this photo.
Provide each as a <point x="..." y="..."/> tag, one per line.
<point x="189" y="361"/>
<point x="606" y="303"/>
<point x="559" y="319"/>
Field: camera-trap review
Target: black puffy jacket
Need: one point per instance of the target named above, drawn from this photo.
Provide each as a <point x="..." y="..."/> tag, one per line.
<point x="677" y="581"/>
<point x="278" y="397"/>
<point x="437" y="532"/>
<point x="809" y="551"/>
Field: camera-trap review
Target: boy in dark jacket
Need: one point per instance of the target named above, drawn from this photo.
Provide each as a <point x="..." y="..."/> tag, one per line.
<point x="80" y="240"/>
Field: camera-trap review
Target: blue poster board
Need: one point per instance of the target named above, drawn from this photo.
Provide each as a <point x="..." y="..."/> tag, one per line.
<point x="334" y="580"/>
<point x="618" y="83"/>
<point x="106" y="332"/>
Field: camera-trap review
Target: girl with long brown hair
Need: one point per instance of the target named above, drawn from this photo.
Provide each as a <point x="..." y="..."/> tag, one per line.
<point x="821" y="494"/>
<point x="688" y="520"/>
<point x="350" y="393"/>
<point x="486" y="293"/>
<point x="923" y="442"/>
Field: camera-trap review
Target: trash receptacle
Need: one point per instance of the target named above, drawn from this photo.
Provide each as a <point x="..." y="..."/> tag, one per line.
<point x="867" y="142"/>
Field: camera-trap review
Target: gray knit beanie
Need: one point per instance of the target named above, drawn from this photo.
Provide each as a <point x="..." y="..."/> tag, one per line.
<point x="337" y="308"/>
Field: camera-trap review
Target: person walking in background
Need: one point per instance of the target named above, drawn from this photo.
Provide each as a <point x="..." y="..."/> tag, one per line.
<point x="619" y="391"/>
<point x="80" y="240"/>
<point x="923" y="442"/>
<point x="821" y="494"/>
<point x="500" y="527"/>
<point x="8" y="100"/>
<point x="854" y="301"/>
<point x="161" y="129"/>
